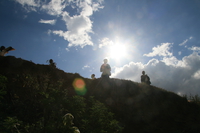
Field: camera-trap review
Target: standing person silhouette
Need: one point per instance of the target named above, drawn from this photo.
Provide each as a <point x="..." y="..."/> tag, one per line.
<point x="4" y="50"/>
<point x="105" y="69"/>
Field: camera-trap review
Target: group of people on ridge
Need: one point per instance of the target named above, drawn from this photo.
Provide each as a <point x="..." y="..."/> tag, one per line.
<point x="106" y="72"/>
<point x="105" y="67"/>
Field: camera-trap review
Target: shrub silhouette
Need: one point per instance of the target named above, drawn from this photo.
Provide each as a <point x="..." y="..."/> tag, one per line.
<point x="35" y="98"/>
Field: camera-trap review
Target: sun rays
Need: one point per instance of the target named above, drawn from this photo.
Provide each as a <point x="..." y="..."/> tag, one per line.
<point x="117" y="51"/>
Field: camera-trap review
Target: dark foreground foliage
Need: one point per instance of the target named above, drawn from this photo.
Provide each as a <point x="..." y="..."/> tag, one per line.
<point x="37" y="98"/>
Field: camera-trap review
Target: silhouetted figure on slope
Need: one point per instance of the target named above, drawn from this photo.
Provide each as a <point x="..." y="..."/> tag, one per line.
<point x="105" y="69"/>
<point x="93" y="76"/>
<point x="145" y="78"/>
<point x="4" y="50"/>
<point x="51" y="63"/>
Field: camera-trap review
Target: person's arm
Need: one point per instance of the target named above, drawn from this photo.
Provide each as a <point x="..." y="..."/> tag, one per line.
<point x="109" y="67"/>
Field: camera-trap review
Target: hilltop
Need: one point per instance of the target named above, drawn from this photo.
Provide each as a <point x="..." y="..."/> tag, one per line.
<point x="37" y="96"/>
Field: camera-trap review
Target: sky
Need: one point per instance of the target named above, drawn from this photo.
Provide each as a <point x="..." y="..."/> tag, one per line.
<point x="159" y="37"/>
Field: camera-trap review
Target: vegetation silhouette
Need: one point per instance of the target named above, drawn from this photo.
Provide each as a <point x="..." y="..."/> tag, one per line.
<point x="37" y="97"/>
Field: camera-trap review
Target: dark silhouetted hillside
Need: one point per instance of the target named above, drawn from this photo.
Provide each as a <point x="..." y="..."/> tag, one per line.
<point x="37" y="96"/>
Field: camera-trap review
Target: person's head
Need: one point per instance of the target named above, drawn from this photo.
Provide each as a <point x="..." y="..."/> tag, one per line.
<point x="143" y="72"/>
<point x="105" y="61"/>
<point x="51" y="61"/>
<point x="2" y="48"/>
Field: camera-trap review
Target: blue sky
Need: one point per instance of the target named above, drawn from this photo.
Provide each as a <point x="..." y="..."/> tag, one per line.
<point x="158" y="36"/>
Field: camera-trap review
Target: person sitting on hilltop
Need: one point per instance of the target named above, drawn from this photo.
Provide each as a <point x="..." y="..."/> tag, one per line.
<point x="51" y="63"/>
<point x="105" y="69"/>
<point x="4" y="50"/>
<point x="145" y="78"/>
<point x="93" y="76"/>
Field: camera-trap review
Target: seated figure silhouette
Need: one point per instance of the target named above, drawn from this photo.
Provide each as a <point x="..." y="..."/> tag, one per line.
<point x="145" y="78"/>
<point x="93" y="76"/>
<point x="51" y="63"/>
<point x="105" y="69"/>
<point x="4" y="50"/>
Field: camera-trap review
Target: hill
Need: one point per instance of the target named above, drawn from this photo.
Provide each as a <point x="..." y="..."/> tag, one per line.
<point x="38" y="98"/>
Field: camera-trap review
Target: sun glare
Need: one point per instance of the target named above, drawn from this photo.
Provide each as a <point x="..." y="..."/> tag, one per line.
<point x="117" y="51"/>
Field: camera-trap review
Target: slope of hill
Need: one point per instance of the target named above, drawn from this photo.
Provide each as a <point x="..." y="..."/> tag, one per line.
<point x="36" y="97"/>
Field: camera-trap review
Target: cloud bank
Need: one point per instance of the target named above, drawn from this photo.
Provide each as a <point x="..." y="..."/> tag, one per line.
<point x="178" y="75"/>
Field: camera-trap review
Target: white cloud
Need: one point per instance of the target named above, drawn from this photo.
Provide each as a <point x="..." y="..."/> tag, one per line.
<point x="97" y="6"/>
<point x="29" y="5"/>
<point x="79" y="28"/>
<point x="128" y="71"/>
<point x="86" y="66"/>
<point x="54" y="7"/>
<point x="160" y="50"/>
<point x="104" y="42"/>
<point x="86" y="9"/>
<point x="67" y="49"/>
<point x="172" y="61"/>
<point x="194" y="48"/>
<point x="185" y="41"/>
<point x="196" y="75"/>
<point x="28" y="2"/>
<point x="52" y="22"/>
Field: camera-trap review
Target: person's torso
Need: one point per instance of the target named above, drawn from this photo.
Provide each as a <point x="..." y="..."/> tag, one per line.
<point x="105" y="69"/>
<point x="3" y="52"/>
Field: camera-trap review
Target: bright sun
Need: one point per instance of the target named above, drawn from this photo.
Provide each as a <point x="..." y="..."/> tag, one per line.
<point x="117" y="51"/>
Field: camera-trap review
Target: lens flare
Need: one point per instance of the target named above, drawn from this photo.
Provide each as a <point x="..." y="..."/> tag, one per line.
<point x="79" y="86"/>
